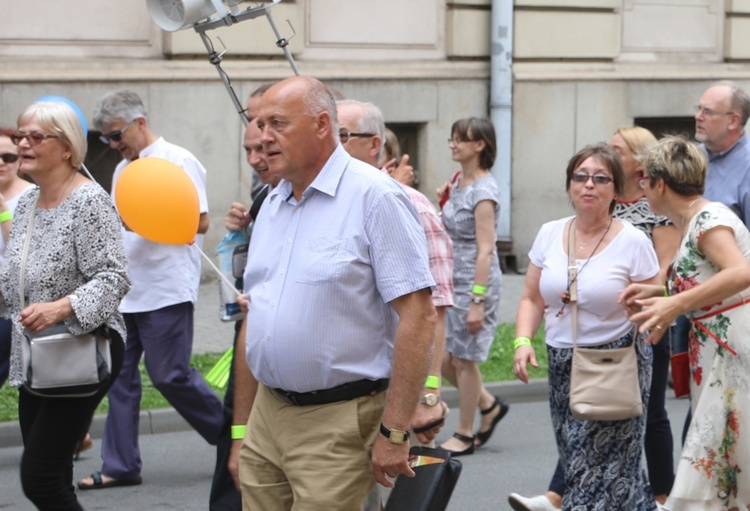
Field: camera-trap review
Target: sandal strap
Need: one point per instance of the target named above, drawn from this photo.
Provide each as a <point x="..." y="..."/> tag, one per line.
<point x="431" y="425"/>
<point x="464" y="438"/>
<point x="97" y="478"/>
<point x="494" y="405"/>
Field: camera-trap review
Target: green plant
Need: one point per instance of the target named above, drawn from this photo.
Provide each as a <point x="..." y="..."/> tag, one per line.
<point x="499" y="364"/>
<point x="498" y="367"/>
<point x="150" y="399"/>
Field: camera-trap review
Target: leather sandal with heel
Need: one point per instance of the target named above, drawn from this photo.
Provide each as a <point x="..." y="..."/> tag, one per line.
<point x="484" y="436"/>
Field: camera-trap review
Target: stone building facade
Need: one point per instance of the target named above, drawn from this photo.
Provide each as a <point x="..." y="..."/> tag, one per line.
<point x="580" y="70"/>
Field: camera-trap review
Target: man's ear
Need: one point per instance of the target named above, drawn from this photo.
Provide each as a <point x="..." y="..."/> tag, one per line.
<point x="375" y="144"/>
<point x="324" y="125"/>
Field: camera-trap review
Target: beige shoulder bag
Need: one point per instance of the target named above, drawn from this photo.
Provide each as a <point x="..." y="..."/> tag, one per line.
<point x="603" y="383"/>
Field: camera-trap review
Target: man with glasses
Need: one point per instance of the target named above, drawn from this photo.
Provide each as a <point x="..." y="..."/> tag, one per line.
<point x="720" y="120"/>
<point x="158" y="310"/>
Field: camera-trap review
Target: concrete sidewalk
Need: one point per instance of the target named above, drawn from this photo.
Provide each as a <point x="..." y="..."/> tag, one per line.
<point x="212" y="336"/>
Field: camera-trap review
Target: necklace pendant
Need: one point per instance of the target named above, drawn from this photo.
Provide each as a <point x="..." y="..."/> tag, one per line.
<point x="566" y="297"/>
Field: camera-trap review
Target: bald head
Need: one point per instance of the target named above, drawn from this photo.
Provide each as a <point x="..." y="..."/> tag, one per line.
<point x="721" y="116"/>
<point x="297" y="119"/>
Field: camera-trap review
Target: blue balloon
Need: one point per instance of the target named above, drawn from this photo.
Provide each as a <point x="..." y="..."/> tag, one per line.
<point x="60" y="99"/>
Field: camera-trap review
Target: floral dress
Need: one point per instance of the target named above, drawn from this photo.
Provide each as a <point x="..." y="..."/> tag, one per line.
<point x="714" y="468"/>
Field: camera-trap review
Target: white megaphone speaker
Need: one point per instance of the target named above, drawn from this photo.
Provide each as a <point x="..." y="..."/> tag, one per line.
<point x="174" y="15"/>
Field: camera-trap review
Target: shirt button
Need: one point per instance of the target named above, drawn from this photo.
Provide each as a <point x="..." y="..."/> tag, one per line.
<point x="289" y="240"/>
<point x="281" y="272"/>
<point x="273" y="304"/>
<point x="272" y="368"/>
<point x="268" y="337"/>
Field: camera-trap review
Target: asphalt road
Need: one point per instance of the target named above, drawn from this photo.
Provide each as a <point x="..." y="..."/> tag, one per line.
<point x="178" y="467"/>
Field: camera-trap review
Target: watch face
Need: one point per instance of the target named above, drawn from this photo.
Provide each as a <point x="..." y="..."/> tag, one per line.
<point x="398" y="437"/>
<point x="430" y="399"/>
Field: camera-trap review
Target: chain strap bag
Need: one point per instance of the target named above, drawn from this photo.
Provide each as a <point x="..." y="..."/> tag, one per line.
<point x="56" y="362"/>
<point x="603" y="383"/>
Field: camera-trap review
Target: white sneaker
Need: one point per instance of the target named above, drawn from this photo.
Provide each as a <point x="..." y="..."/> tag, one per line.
<point x="538" y="503"/>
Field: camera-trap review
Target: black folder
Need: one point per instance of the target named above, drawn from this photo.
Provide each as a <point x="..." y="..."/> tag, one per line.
<point x="431" y="488"/>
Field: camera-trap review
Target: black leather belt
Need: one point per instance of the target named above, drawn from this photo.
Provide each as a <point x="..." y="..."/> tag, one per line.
<point x="345" y="392"/>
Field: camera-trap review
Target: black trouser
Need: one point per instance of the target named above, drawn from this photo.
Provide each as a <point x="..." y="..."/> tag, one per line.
<point x="5" y="341"/>
<point x="51" y="429"/>
<point x="224" y="496"/>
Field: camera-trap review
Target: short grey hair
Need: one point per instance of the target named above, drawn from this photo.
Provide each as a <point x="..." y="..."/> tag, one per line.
<point x="371" y="121"/>
<point x="739" y="100"/>
<point x="120" y="105"/>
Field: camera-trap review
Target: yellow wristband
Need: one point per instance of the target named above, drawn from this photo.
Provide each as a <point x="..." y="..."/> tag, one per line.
<point x="521" y="341"/>
<point x="238" y="432"/>
<point x="5" y="216"/>
<point x="479" y="290"/>
<point x="433" y="382"/>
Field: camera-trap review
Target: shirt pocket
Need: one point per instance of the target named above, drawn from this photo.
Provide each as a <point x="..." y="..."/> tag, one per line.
<point x="324" y="261"/>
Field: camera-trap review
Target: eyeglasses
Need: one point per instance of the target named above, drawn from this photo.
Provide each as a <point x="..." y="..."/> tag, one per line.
<point x="598" y="179"/>
<point x="345" y="135"/>
<point x="34" y="137"/>
<point x="707" y="112"/>
<point x="116" y="136"/>
<point x="9" y="157"/>
<point x="642" y="181"/>
<point x="456" y="141"/>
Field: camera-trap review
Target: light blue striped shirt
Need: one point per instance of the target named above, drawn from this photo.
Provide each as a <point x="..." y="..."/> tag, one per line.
<point x="320" y="274"/>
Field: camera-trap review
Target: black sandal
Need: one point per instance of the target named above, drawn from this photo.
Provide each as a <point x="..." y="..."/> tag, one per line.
<point x="465" y="439"/>
<point x="484" y="436"/>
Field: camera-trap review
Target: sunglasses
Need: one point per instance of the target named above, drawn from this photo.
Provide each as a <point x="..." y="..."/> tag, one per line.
<point x="9" y="157"/>
<point x="598" y="179"/>
<point x="34" y="137"/>
<point x="116" y="136"/>
<point x="345" y="135"/>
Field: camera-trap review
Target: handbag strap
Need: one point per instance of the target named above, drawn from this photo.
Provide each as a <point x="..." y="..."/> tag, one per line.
<point x="573" y="279"/>
<point x="25" y="254"/>
<point x="573" y="288"/>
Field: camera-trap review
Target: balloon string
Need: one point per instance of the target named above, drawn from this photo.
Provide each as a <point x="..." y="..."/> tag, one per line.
<point x="217" y="270"/>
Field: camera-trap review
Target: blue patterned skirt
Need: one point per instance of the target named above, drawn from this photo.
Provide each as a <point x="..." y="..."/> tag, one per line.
<point x="602" y="459"/>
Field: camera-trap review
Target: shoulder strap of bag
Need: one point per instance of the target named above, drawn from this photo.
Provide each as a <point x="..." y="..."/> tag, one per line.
<point x="572" y="278"/>
<point x="258" y="202"/>
<point x="25" y="253"/>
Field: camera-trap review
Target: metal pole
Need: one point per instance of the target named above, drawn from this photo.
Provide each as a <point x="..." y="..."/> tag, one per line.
<point x="282" y="43"/>
<point x="215" y="59"/>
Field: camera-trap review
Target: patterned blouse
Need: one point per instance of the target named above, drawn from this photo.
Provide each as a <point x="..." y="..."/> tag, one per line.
<point x="640" y="215"/>
<point x="76" y="248"/>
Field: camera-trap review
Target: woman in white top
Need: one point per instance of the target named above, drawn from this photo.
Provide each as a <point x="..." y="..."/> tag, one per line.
<point x="11" y="188"/>
<point x="602" y="459"/>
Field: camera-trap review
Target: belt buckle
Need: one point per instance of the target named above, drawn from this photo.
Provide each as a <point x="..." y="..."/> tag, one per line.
<point x="293" y="399"/>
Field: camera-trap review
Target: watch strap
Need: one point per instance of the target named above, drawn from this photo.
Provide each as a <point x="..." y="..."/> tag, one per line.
<point x="391" y="434"/>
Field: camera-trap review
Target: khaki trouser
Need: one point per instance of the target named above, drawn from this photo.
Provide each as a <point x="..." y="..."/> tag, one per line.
<point x="308" y="458"/>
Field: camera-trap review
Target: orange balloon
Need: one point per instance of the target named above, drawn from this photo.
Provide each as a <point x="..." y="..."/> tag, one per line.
<point x="158" y="200"/>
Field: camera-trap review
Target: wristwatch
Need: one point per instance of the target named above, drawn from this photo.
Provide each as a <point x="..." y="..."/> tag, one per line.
<point x="394" y="436"/>
<point x="477" y="299"/>
<point x="429" y="399"/>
